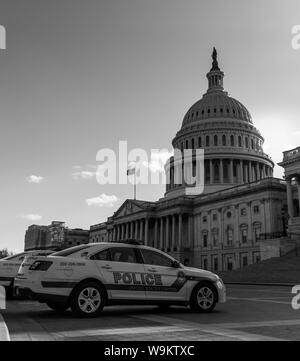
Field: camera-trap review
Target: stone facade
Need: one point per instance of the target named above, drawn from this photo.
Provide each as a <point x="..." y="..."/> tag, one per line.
<point x="55" y="236"/>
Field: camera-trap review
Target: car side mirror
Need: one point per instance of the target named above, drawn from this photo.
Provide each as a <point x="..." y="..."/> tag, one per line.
<point x="175" y="264"/>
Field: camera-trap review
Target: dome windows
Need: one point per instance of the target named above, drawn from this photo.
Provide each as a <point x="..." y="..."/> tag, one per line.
<point x="232" y="140"/>
<point x="199" y="142"/>
<point x="207" y="141"/>
<point x="240" y="141"/>
<point x="246" y="142"/>
<point x="224" y="140"/>
<point x="215" y="140"/>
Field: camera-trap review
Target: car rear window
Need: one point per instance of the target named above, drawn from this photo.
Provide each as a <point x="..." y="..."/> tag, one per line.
<point x="69" y="251"/>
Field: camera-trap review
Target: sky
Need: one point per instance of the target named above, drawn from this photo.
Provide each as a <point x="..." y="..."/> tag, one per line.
<point x="79" y="76"/>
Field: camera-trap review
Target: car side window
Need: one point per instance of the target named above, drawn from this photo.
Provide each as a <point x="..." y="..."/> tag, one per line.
<point x="123" y="254"/>
<point x="102" y="256"/>
<point x="155" y="258"/>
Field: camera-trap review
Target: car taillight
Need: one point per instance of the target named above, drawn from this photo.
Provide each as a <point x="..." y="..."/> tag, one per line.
<point x="40" y="266"/>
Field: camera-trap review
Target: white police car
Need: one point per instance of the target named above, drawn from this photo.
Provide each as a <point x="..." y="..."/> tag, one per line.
<point x="9" y="267"/>
<point x="89" y="277"/>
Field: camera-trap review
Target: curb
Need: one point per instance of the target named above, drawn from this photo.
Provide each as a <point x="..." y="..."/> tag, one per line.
<point x="261" y="284"/>
<point x="4" y="334"/>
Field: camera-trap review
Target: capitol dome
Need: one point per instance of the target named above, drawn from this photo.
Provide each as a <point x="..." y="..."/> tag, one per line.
<point x="223" y="127"/>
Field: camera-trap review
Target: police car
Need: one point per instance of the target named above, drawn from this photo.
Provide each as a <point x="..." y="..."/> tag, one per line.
<point x="91" y="276"/>
<point x="9" y="267"/>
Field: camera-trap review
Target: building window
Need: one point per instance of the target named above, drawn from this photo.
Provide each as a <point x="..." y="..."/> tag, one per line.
<point x="224" y="140"/>
<point x="257" y="231"/>
<point x="205" y="239"/>
<point x="252" y="143"/>
<point x="199" y="142"/>
<point x="205" y="263"/>
<point x="204" y="219"/>
<point x="247" y="142"/>
<point x="244" y="234"/>
<point x="214" y="236"/>
<point x="207" y="141"/>
<point x="228" y="214"/>
<point x="229" y="264"/>
<point x="215" y="140"/>
<point x="245" y="261"/>
<point x="216" y="264"/>
<point x="256" y="209"/>
<point x="232" y="140"/>
<point x="229" y="236"/>
<point x="193" y="143"/>
<point x="187" y="144"/>
<point x="240" y="141"/>
<point x="243" y="211"/>
<point x="215" y="217"/>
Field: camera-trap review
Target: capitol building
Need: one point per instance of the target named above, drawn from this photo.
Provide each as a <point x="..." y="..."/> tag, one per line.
<point x="243" y="214"/>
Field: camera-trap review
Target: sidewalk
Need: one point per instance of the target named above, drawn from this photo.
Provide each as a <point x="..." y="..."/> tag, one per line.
<point x="4" y="334"/>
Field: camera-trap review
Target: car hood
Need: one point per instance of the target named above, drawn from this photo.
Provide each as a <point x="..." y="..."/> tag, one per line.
<point x="192" y="271"/>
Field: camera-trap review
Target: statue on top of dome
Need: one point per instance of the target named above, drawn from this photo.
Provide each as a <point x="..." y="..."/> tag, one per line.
<point x="215" y="65"/>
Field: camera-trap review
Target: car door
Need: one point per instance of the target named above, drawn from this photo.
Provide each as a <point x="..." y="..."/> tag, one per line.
<point x="121" y="269"/>
<point x="164" y="281"/>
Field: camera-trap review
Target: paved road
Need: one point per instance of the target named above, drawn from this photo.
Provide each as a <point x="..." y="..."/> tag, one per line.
<point x="251" y="313"/>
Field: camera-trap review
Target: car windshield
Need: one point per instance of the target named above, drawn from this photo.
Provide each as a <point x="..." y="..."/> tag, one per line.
<point x="69" y="251"/>
<point x="13" y="257"/>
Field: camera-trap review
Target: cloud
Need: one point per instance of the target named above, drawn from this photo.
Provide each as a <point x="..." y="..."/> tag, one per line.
<point x="80" y="173"/>
<point x="34" y="179"/>
<point x="32" y="217"/>
<point x="158" y="160"/>
<point x="102" y="200"/>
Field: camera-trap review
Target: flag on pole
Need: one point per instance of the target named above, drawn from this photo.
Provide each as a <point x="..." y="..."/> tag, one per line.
<point x="131" y="171"/>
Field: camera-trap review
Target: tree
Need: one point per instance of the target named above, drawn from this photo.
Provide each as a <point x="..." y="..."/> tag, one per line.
<point x="5" y="253"/>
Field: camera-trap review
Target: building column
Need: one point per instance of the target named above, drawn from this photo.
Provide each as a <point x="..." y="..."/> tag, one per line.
<point x="146" y="231"/>
<point x="257" y="171"/>
<point x="247" y="173"/>
<point x="136" y="230"/>
<point x="221" y="171"/>
<point x="298" y="187"/>
<point x="141" y="230"/>
<point x="231" y="171"/>
<point x="241" y="172"/>
<point x="179" y="231"/>
<point x="211" y="172"/>
<point x="155" y="243"/>
<point x="173" y="239"/>
<point x="161" y="231"/>
<point x="250" y="171"/>
<point x="167" y="233"/>
<point x="290" y="197"/>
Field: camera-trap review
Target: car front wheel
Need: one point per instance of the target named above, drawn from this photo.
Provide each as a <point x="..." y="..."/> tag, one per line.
<point x="203" y="298"/>
<point x="88" y="299"/>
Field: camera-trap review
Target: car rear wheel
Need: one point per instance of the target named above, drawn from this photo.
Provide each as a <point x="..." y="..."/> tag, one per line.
<point x="88" y="299"/>
<point x="58" y="306"/>
<point x="203" y="298"/>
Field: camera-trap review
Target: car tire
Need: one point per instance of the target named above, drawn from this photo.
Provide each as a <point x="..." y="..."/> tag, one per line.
<point x="203" y="298"/>
<point x="88" y="299"/>
<point x="58" y="306"/>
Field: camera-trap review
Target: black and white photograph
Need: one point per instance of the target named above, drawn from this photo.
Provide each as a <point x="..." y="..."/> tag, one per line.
<point x="150" y="183"/>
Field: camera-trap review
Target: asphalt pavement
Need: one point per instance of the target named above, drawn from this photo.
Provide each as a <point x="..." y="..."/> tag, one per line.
<point x="251" y="313"/>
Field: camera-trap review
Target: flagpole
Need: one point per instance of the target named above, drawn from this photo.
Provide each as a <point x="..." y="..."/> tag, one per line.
<point x="134" y="187"/>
